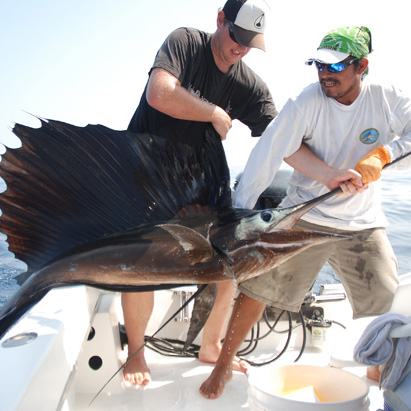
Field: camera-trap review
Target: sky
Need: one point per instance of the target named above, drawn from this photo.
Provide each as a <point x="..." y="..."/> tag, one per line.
<point x="87" y="61"/>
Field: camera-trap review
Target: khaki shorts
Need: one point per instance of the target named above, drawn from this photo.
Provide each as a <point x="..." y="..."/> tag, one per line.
<point x="365" y="264"/>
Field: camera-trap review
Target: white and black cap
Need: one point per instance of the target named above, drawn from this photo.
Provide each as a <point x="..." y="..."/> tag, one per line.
<point x="249" y="21"/>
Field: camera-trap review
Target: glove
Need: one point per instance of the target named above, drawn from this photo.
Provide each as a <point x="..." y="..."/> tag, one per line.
<point x="370" y="166"/>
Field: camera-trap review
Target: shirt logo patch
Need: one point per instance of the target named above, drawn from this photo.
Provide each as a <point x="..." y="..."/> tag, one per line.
<point x="369" y="136"/>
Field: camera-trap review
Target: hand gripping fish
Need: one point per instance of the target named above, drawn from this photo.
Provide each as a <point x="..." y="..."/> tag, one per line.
<point x="129" y="212"/>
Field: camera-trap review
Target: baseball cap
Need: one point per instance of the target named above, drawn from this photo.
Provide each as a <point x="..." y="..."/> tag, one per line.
<point x="249" y="21"/>
<point x="342" y="42"/>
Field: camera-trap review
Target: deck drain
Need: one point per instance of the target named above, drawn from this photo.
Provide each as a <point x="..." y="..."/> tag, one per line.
<point x="95" y="362"/>
<point x="19" y="339"/>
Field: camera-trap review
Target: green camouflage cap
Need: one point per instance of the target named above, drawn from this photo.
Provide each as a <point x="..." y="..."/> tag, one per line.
<point x="342" y="42"/>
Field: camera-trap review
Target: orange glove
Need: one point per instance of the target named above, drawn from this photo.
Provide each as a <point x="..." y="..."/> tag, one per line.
<point x="370" y="165"/>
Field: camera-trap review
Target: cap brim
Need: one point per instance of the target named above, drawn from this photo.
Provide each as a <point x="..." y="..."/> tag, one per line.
<point x="248" y="38"/>
<point x="328" y="56"/>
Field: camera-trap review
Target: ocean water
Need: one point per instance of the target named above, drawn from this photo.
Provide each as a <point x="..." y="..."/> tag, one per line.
<point x="396" y="205"/>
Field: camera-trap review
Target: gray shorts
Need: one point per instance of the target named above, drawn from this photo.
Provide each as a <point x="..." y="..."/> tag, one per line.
<point x="365" y="264"/>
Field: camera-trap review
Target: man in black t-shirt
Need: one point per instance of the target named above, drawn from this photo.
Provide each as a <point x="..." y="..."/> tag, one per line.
<point x="186" y="63"/>
<point x="198" y="80"/>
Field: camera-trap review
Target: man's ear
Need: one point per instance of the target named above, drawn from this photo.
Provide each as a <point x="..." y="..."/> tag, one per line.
<point x="363" y="65"/>
<point x="220" y="18"/>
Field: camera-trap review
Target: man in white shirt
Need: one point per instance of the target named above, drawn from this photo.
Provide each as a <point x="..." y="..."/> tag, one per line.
<point x="340" y="122"/>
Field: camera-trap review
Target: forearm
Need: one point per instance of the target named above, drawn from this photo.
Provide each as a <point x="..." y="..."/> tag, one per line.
<point x="305" y="161"/>
<point x="165" y="94"/>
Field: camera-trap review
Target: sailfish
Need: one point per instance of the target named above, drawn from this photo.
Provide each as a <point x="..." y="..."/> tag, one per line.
<point x="131" y="212"/>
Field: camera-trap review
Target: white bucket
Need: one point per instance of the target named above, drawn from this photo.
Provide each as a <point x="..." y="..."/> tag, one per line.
<point x="306" y="388"/>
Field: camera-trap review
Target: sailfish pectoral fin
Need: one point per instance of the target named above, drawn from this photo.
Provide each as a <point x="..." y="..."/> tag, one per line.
<point x="197" y="247"/>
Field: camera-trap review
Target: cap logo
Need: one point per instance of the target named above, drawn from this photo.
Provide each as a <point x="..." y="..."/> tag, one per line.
<point x="259" y="22"/>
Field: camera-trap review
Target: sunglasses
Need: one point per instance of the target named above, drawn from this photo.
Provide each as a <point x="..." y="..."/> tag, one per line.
<point x="231" y="31"/>
<point x="335" y="67"/>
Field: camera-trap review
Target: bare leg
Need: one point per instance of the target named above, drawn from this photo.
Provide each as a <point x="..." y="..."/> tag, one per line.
<point x="137" y="309"/>
<point x="246" y="313"/>
<point x="214" y="327"/>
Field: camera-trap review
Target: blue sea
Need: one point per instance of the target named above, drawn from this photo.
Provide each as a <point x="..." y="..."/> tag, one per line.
<point x="396" y="205"/>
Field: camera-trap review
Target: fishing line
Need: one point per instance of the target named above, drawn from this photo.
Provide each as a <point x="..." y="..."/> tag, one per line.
<point x="397" y="159"/>
<point x="195" y="295"/>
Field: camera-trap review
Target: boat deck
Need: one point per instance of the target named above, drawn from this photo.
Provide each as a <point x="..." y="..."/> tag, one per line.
<point x="176" y="382"/>
<point x="78" y="348"/>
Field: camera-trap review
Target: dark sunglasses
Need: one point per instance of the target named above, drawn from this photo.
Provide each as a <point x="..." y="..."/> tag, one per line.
<point x="335" y="67"/>
<point x="231" y="31"/>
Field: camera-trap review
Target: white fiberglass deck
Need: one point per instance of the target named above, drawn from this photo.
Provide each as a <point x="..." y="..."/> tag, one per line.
<point x="54" y="371"/>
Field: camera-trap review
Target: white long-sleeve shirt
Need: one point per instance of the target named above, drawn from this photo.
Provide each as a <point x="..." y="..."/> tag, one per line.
<point x="338" y="134"/>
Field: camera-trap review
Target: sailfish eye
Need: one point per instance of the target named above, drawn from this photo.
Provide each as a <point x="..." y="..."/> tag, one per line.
<point x="266" y="216"/>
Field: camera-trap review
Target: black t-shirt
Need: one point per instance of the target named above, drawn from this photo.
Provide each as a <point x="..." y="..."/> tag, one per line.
<point x="186" y="53"/>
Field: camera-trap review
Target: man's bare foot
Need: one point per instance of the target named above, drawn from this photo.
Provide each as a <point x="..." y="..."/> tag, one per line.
<point x="214" y="385"/>
<point x="210" y="353"/>
<point x="136" y="371"/>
